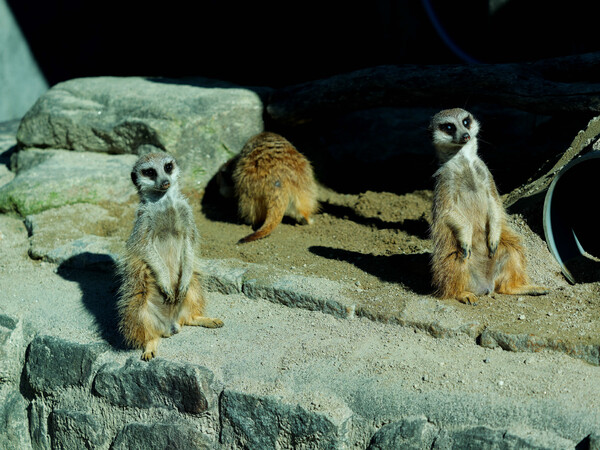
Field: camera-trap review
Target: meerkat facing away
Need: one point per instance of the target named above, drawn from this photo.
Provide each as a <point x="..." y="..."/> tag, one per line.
<point x="272" y="179"/>
<point x="475" y="252"/>
<point x="159" y="290"/>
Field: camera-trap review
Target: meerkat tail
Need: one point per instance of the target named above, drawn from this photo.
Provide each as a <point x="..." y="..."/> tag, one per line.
<point x="192" y="308"/>
<point x="513" y="277"/>
<point x="272" y="219"/>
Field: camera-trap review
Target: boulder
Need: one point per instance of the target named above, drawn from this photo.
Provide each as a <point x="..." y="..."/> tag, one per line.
<point x="161" y="435"/>
<point x="53" y="364"/>
<point x="14" y="431"/>
<point x="202" y="122"/>
<point x="52" y="178"/>
<point x="83" y="235"/>
<point x="158" y="384"/>
<point x="252" y="420"/>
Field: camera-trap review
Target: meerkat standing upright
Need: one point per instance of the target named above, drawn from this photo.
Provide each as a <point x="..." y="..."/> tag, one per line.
<point x="272" y="179"/>
<point x="474" y="250"/>
<point x="160" y="291"/>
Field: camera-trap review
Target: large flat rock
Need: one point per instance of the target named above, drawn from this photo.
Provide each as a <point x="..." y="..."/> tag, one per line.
<point x="48" y="179"/>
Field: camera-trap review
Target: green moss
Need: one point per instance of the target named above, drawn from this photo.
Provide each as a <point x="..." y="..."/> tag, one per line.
<point x="34" y="200"/>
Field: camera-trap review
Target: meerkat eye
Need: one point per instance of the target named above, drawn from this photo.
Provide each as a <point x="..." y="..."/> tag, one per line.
<point x="467" y="122"/>
<point x="169" y="167"/>
<point x="448" y="128"/>
<point x="150" y="173"/>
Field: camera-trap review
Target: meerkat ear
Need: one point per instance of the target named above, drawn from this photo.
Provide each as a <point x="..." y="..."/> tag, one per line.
<point x="134" y="178"/>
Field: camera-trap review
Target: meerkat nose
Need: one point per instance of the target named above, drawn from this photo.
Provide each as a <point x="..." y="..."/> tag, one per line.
<point x="465" y="137"/>
<point x="165" y="184"/>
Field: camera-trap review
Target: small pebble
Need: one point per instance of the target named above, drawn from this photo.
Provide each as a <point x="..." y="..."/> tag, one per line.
<point x="521" y="316"/>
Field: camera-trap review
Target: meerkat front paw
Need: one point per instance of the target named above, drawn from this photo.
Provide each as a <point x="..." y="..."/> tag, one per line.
<point x="168" y="295"/>
<point x="465" y="250"/>
<point x="182" y="292"/>
<point x="493" y="242"/>
<point x="492" y="248"/>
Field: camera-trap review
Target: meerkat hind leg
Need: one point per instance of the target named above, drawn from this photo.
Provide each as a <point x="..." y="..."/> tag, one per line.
<point x="523" y="290"/>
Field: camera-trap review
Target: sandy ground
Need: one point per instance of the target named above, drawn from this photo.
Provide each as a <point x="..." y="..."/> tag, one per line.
<point x="377" y="243"/>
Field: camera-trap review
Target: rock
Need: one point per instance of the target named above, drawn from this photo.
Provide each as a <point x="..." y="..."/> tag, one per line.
<point x="53" y="364"/>
<point x="53" y="178"/>
<point x="14" y="429"/>
<point x="160" y="384"/>
<point x="202" y="122"/>
<point x="84" y="233"/>
<point x="224" y="276"/>
<point x="411" y="433"/>
<point x="13" y="342"/>
<point x="13" y="419"/>
<point x="38" y="424"/>
<point x="526" y="342"/>
<point x="482" y="437"/>
<point x="74" y="429"/>
<point x="313" y="293"/>
<point x="23" y="83"/>
<point x="8" y="141"/>
<point x="267" y="421"/>
<point x="160" y="436"/>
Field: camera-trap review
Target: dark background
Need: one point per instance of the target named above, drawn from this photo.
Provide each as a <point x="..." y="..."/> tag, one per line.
<point x="286" y="42"/>
<point x="281" y="43"/>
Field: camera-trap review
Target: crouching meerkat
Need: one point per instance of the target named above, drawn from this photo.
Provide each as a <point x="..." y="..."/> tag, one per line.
<point x="475" y="252"/>
<point x="272" y="179"/>
<point x="159" y="289"/>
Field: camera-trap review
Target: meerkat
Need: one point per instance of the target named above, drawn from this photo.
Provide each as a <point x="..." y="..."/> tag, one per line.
<point x="272" y="179"/>
<point x="475" y="252"/>
<point x="159" y="289"/>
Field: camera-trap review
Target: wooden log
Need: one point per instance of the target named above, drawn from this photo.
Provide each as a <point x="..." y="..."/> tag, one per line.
<point x="550" y="86"/>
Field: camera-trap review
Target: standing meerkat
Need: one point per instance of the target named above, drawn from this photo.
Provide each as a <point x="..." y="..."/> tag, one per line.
<point x="272" y="179"/>
<point x="475" y="252"/>
<point x="159" y="290"/>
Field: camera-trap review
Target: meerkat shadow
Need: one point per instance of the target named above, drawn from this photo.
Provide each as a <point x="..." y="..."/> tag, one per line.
<point x="410" y="270"/>
<point x="416" y="227"/>
<point x="217" y="207"/>
<point x="96" y="276"/>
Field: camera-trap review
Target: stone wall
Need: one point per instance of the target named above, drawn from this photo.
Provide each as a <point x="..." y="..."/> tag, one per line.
<point x="60" y="394"/>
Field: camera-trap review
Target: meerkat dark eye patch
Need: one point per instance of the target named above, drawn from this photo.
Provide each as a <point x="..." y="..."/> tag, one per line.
<point x="150" y="173"/>
<point x="169" y="167"/>
<point x="467" y="122"/>
<point x="448" y="128"/>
